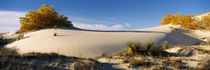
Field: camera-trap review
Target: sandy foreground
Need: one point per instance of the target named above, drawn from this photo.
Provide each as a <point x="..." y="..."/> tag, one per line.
<point x="93" y="43"/>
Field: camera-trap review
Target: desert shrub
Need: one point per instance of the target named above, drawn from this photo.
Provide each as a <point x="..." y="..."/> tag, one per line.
<point x="148" y="45"/>
<point x="20" y="36"/>
<point x="55" y="34"/>
<point x="133" y="46"/>
<point x="165" y="45"/>
<point x="44" y="17"/>
<point x="187" y="22"/>
<point x="144" y="48"/>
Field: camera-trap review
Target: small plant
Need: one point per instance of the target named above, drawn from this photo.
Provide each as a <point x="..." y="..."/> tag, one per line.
<point x="165" y="45"/>
<point x="20" y="36"/>
<point x="55" y="27"/>
<point x="55" y="34"/>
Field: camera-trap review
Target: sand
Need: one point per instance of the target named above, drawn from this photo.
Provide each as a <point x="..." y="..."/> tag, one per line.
<point x="94" y="43"/>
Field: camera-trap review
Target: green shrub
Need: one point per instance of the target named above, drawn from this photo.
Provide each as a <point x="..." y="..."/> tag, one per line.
<point x="134" y="46"/>
<point x="149" y="44"/>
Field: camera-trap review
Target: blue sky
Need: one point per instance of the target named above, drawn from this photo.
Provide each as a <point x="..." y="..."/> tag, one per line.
<point x="103" y="14"/>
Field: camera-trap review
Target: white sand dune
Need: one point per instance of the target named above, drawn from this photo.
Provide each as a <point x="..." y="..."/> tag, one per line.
<point x="92" y="43"/>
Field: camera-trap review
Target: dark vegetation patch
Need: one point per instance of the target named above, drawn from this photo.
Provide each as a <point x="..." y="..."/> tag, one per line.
<point x="11" y="60"/>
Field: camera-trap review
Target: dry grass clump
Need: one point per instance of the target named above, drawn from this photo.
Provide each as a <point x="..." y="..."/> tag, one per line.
<point x="145" y="48"/>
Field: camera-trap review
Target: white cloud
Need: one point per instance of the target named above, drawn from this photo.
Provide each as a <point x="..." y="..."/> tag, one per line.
<point x="10" y="17"/>
<point x="128" y="25"/>
<point x="8" y="29"/>
<point x="97" y="26"/>
<point x="9" y="20"/>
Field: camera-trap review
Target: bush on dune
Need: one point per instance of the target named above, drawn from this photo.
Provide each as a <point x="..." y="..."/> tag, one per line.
<point x="44" y="17"/>
<point x="145" y="48"/>
<point x="187" y="21"/>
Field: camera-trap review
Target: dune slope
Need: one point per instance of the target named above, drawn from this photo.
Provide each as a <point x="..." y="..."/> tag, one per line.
<point x="93" y="43"/>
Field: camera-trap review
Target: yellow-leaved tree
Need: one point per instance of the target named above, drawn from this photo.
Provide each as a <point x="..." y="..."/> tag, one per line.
<point x="187" y="22"/>
<point x="44" y="17"/>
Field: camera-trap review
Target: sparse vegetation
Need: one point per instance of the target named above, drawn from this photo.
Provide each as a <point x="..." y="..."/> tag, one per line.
<point x="176" y="60"/>
<point x="11" y="60"/>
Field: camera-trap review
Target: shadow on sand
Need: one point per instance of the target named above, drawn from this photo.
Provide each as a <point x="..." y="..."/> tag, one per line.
<point x="78" y="29"/>
<point x="180" y="37"/>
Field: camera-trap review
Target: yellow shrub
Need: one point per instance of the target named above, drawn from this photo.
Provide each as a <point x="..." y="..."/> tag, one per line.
<point x="186" y="21"/>
<point x="44" y="17"/>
